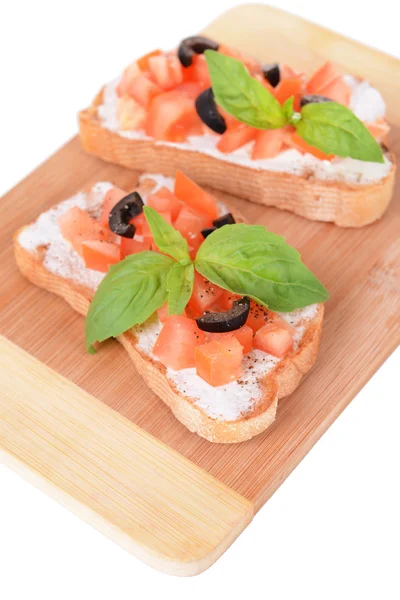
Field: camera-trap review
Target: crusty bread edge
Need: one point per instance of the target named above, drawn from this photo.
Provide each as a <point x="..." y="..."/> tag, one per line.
<point x="345" y="204"/>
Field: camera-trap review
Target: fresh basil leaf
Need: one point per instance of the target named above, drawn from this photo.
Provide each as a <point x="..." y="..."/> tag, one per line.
<point x="167" y="238"/>
<point x="128" y="295"/>
<point x="249" y="260"/>
<point x="241" y="95"/>
<point x="180" y="281"/>
<point x="334" y="129"/>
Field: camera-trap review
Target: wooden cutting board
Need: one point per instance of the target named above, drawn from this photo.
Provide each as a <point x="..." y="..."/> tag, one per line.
<point x="87" y="430"/>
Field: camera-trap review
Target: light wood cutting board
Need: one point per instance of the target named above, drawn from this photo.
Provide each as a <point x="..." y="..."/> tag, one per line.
<point x="88" y="431"/>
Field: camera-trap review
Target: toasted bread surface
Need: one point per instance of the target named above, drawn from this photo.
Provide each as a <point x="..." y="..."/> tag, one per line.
<point x="345" y="204"/>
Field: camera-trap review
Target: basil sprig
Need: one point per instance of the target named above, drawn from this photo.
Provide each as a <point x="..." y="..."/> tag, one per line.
<point x="328" y="126"/>
<point x="244" y="259"/>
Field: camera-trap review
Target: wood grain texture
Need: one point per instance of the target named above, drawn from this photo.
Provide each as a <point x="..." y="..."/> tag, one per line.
<point x="145" y="496"/>
<point x="361" y="269"/>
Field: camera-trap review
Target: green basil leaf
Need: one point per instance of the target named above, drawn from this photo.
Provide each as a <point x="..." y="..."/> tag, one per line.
<point x="288" y="108"/>
<point x="241" y="95"/>
<point x="167" y="238"/>
<point x="249" y="260"/>
<point x="334" y="129"/>
<point x="180" y="281"/>
<point x="128" y="295"/>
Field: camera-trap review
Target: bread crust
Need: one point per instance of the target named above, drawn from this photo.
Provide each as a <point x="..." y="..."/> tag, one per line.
<point x="345" y="204"/>
<point x="277" y="383"/>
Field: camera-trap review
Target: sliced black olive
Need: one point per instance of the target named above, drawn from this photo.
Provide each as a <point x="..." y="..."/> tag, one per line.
<point x="125" y="210"/>
<point x="224" y="220"/>
<point x="206" y="232"/>
<point x="196" y="44"/>
<point x="208" y="111"/>
<point x="230" y="320"/>
<point x="313" y="99"/>
<point x="272" y="74"/>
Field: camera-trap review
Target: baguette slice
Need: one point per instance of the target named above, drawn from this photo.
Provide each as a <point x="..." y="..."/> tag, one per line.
<point x="276" y="383"/>
<point x="345" y="204"/>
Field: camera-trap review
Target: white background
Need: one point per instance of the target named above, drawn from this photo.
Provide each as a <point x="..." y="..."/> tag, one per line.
<point x="333" y="529"/>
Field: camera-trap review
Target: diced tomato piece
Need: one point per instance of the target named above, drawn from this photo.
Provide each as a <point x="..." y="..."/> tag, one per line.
<point x="146" y="232"/>
<point x="198" y="71"/>
<point x="236" y="136"/>
<point x="303" y="146"/>
<point x="244" y="336"/>
<point x="100" y="255"/>
<point x="268" y="144"/>
<point x="219" y="362"/>
<point x="163" y="200"/>
<point x="112" y="197"/>
<point x="163" y="313"/>
<point x="287" y="72"/>
<point x="203" y="296"/>
<point x="177" y="341"/>
<point x="166" y="71"/>
<point x="273" y="340"/>
<point x="321" y="78"/>
<point x="172" y="116"/>
<point x="226" y="300"/>
<point x="77" y="226"/>
<point x="128" y="76"/>
<point x="131" y="114"/>
<point x="379" y="130"/>
<point x="194" y="196"/>
<point x="259" y="316"/>
<point x="190" y="223"/>
<point x="138" y="223"/>
<point x="281" y="323"/>
<point x="143" y="89"/>
<point x="288" y="88"/>
<point x="132" y="246"/>
<point x="337" y="90"/>
<point x="143" y="62"/>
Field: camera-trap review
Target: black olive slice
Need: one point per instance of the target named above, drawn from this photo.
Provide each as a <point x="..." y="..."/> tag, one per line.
<point x="230" y="320"/>
<point x="208" y="111"/>
<point x="206" y="232"/>
<point x="224" y="220"/>
<point x="313" y="99"/>
<point x="126" y="209"/>
<point x="272" y="74"/>
<point x="196" y="44"/>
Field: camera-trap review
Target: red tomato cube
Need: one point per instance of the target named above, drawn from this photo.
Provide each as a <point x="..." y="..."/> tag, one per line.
<point x="219" y="361"/>
<point x="112" y="197"/>
<point x="235" y="137"/>
<point x="143" y="90"/>
<point x="132" y="246"/>
<point x="273" y="340"/>
<point x="190" y="223"/>
<point x="163" y="313"/>
<point x="143" y="62"/>
<point x="166" y="71"/>
<point x="244" y="336"/>
<point x="100" y="255"/>
<point x="172" y="116"/>
<point x="194" y="196"/>
<point x="77" y="226"/>
<point x="203" y="296"/>
<point x="259" y="316"/>
<point x="177" y="341"/>
<point x="163" y="200"/>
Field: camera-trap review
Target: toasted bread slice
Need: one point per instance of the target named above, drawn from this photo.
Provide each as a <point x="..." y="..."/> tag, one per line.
<point x="345" y="204"/>
<point x="40" y="259"/>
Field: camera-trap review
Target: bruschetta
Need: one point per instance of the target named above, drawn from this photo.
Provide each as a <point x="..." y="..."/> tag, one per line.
<point x="222" y="364"/>
<point x="159" y="115"/>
